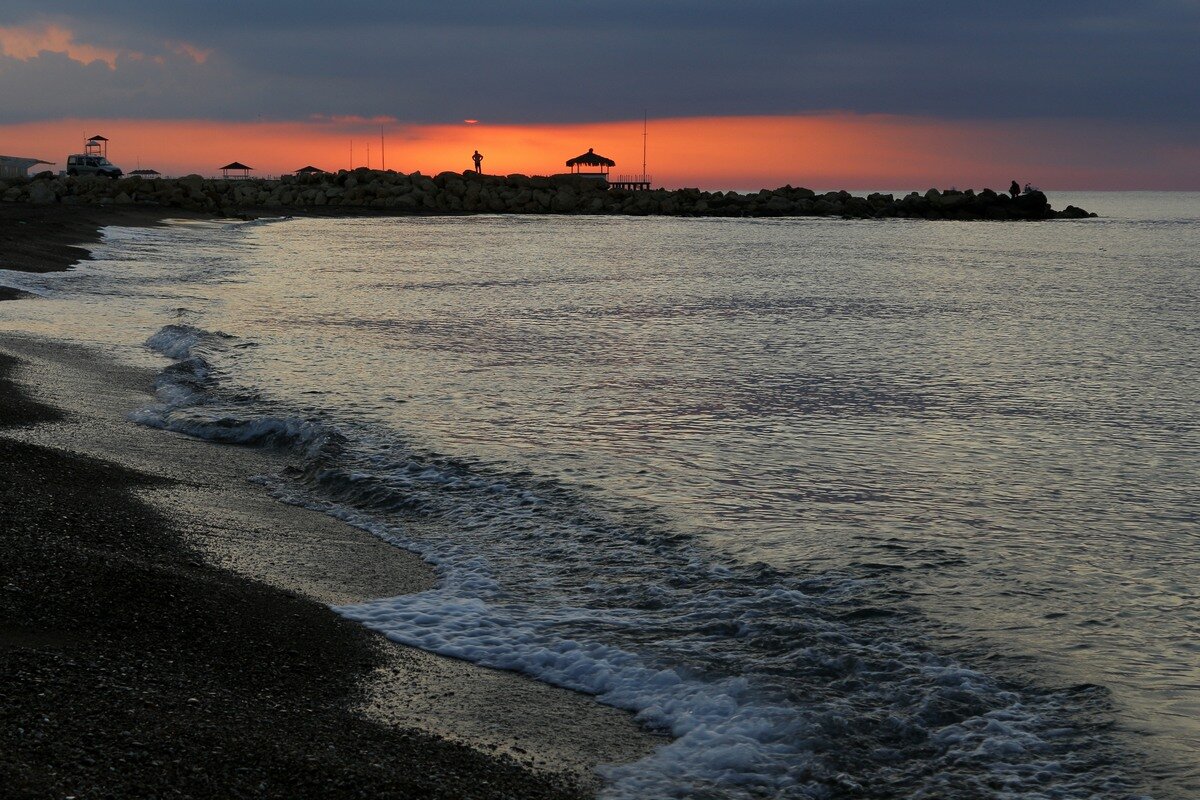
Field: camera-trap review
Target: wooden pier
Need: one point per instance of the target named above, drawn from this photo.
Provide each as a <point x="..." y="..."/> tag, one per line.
<point x="636" y="183"/>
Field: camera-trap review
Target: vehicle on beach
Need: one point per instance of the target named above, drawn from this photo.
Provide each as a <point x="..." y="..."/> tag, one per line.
<point x="93" y="160"/>
<point x="90" y="164"/>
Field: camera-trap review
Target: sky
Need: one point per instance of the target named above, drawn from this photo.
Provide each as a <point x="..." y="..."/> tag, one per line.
<point x="852" y="93"/>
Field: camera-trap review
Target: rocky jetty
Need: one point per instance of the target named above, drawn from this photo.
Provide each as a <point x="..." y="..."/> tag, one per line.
<point x="376" y="192"/>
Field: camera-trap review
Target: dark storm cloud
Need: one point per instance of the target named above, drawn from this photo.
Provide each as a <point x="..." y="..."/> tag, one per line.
<point x="573" y="61"/>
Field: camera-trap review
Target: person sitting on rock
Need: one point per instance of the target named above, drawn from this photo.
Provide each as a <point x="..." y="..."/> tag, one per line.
<point x="478" y="159"/>
<point x="1014" y="190"/>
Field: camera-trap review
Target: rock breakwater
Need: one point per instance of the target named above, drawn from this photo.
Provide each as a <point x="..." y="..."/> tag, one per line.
<point x="376" y="192"/>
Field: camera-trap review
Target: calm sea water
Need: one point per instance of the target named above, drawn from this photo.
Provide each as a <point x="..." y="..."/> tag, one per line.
<point x="852" y="508"/>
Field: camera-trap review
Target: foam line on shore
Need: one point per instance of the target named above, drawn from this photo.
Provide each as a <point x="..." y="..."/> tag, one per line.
<point x="220" y="664"/>
<point x="651" y="624"/>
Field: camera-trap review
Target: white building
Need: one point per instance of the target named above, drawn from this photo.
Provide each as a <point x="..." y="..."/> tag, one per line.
<point x="16" y="167"/>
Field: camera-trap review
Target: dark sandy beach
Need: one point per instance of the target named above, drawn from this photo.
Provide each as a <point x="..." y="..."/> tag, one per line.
<point x="132" y="669"/>
<point x="53" y="237"/>
<point x="160" y="637"/>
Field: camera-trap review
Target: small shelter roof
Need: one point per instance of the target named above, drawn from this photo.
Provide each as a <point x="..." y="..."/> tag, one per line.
<point x="145" y="172"/>
<point x="591" y="159"/>
<point x="236" y="165"/>
<point x="29" y="162"/>
<point x="309" y="170"/>
<point x="98" y="138"/>
<point x="17" y="167"/>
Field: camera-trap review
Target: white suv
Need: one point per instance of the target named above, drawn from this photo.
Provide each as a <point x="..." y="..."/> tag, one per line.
<point x="81" y="164"/>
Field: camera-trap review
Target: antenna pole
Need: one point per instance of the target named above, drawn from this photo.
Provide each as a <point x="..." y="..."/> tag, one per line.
<point x="645" y="125"/>
<point x="368" y="154"/>
<point x="382" y="151"/>
<point x="351" y="154"/>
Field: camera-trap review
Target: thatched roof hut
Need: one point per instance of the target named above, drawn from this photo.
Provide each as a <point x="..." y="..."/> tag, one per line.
<point x="591" y="165"/>
<point x="590" y="159"/>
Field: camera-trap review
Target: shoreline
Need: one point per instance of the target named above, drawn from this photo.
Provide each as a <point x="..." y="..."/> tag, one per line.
<point x="54" y="238"/>
<point x="179" y="529"/>
<point x="32" y="314"/>
<point x="133" y="668"/>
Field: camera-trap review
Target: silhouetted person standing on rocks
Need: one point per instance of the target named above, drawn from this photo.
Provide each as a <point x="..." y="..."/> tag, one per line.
<point x="1014" y="190"/>
<point x="478" y="159"/>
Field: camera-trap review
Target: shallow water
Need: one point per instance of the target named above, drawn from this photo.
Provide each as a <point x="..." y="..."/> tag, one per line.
<point x="890" y="507"/>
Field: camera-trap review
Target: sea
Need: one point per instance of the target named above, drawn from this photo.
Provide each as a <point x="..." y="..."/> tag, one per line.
<point x="888" y="509"/>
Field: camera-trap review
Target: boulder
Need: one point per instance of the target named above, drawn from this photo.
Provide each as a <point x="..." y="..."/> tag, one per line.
<point x="1032" y="205"/>
<point x="778" y="206"/>
<point x="1074" y="212"/>
<point x="42" y="194"/>
<point x="564" y="201"/>
<point x="950" y="200"/>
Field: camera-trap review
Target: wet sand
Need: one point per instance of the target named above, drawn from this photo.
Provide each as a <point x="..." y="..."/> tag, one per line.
<point x="53" y="237"/>
<point x="167" y="629"/>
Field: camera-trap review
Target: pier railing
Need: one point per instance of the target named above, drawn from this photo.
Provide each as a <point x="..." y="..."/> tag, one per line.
<point x="634" y="182"/>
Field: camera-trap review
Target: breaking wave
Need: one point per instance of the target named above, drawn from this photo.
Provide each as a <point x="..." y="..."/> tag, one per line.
<point x="771" y="684"/>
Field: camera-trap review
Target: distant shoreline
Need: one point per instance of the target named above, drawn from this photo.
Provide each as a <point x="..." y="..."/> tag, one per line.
<point x="51" y="237"/>
<point x="451" y="193"/>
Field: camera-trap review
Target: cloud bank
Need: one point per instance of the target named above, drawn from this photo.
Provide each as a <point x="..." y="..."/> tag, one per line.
<point x="550" y="61"/>
<point x="1076" y="76"/>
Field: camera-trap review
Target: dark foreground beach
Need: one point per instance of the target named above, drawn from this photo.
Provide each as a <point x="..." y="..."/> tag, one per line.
<point x="164" y="630"/>
<point x="52" y="238"/>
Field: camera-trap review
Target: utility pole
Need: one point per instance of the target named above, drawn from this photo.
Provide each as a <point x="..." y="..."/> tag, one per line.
<point x="382" y="151"/>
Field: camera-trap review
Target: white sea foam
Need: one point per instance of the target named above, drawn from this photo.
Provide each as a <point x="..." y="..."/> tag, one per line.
<point x="186" y="404"/>
<point x="771" y="686"/>
<point x="177" y="341"/>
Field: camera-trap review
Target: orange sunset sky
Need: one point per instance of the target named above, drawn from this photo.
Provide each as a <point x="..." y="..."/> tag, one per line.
<point x="773" y="94"/>
<point x="827" y="150"/>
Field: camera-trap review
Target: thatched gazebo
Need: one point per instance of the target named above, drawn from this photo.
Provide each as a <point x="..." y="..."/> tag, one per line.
<point x="311" y="170"/>
<point x="147" y="173"/>
<point x="596" y="164"/>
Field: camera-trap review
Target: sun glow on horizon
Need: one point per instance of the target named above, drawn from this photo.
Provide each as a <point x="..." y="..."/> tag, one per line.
<point x="827" y="150"/>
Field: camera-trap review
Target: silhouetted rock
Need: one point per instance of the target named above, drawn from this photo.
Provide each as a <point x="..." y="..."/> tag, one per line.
<point x="1074" y="212"/>
<point x="42" y="193"/>
<point x="469" y="192"/>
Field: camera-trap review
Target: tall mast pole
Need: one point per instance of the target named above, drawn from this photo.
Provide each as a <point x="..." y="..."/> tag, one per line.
<point x="351" y="154"/>
<point x="382" y="152"/>
<point x="645" y="124"/>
